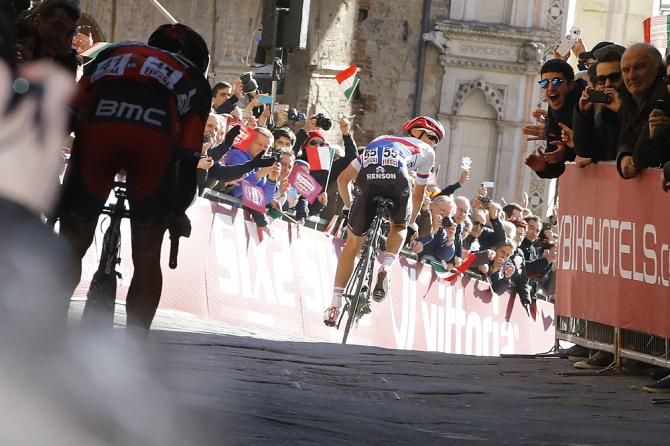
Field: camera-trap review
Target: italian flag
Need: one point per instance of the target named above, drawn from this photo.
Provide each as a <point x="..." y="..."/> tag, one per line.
<point x="91" y="53"/>
<point x="319" y="158"/>
<point x="442" y="273"/>
<point x="348" y="80"/>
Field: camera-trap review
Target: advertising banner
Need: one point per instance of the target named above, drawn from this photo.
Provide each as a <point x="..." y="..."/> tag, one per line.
<point x="614" y="252"/>
<point x="283" y="282"/>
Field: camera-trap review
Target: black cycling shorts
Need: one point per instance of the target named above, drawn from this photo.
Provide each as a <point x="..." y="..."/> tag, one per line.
<point x="377" y="181"/>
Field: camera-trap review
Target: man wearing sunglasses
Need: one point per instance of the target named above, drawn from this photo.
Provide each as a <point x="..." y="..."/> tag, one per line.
<point x="595" y="120"/>
<point x="562" y="91"/>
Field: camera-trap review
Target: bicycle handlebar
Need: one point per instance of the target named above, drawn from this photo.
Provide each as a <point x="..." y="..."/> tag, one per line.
<point x="174" y="251"/>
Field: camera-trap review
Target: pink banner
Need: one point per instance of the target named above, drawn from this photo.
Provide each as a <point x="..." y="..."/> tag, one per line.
<point x="253" y="197"/>
<point x="283" y="283"/>
<point x="304" y="183"/>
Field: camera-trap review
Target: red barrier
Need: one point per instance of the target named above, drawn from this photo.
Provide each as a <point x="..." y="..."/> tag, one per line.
<point x="614" y="264"/>
<point x="227" y="273"/>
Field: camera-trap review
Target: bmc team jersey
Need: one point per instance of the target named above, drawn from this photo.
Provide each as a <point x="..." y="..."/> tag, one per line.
<point x="139" y="109"/>
<point x="141" y="64"/>
<point x="399" y="152"/>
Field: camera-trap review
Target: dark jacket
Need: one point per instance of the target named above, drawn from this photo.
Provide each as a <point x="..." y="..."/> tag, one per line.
<point x="553" y="130"/>
<point x="489" y="238"/>
<point x="449" y="190"/>
<point x="517" y="283"/>
<point x="596" y="134"/>
<point x="634" y="135"/>
<point x="436" y="246"/>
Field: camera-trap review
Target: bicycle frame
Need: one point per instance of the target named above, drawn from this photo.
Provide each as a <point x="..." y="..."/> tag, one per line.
<point x="359" y="286"/>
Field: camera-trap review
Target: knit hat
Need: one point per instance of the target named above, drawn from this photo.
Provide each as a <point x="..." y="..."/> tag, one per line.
<point x="314" y="134"/>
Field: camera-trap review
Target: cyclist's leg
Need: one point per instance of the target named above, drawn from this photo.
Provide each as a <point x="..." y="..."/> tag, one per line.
<point x="151" y="179"/>
<point x="360" y="218"/>
<point x="400" y="193"/>
<point x="88" y="181"/>
<point x="145" y="288"/>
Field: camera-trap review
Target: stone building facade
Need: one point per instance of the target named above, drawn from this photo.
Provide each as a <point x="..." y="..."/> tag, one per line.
<point x="478" y="74"/>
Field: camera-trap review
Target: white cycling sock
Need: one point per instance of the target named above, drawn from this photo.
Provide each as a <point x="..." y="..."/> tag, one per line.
<point x="337" y="297"/>
<point x="387" y="261"/>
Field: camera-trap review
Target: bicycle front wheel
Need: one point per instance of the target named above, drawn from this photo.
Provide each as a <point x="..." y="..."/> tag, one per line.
<point x="362" y="274"/>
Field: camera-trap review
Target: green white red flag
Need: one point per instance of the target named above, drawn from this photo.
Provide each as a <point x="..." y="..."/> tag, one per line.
<point x="348" y="80"/>
<point x="319" y="158"/>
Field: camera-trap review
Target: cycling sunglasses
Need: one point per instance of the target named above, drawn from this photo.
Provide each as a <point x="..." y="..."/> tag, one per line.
<point x="556" y="82"/>
<point x="432" y="136"/>
<point x="316" y="142"/>
<point x="613" y="77"/>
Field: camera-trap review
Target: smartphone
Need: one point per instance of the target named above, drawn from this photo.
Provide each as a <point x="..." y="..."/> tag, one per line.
<point x="567" y="42"/>
<point x="663" y="105"/>
<point x="488" y="184"/>
<point x="265" y="99"/>
<point x="598" y="97"/>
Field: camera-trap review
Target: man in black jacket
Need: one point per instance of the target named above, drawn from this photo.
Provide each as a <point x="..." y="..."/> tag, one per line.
<point x="643" y="72"/>
<point x="562" y="91"/>
<point x="596" y="126"/>
<point x="659" y="129"/>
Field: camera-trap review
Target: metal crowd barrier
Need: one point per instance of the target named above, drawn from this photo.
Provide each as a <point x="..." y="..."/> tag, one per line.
<point x="623" y="343"/>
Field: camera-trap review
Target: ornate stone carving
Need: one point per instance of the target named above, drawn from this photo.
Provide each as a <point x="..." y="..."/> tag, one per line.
<point x="438" y="39"/>
<point x="532" y="53"/>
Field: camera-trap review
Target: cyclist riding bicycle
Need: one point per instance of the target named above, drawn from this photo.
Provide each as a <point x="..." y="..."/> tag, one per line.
<point x="383" y="170"/>
<point x="143" y="109"/>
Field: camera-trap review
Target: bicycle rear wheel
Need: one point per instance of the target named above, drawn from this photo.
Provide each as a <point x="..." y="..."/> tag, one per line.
<point x="101" y="296"/>
<point x="100" y="301"/>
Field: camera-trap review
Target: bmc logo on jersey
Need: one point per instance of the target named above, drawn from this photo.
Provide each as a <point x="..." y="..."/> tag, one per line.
<point x="109" y="108"/>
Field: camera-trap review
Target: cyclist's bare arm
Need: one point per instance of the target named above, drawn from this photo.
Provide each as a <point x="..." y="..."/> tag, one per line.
<point x="417" y="199"/>
<point x="348" y="175"/>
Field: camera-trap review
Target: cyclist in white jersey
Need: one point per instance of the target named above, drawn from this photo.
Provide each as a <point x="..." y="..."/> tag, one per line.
<point x="383" y="170"/>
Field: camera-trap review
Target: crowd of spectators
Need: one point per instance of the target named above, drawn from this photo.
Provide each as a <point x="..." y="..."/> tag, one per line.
<point x="616" y="109"/>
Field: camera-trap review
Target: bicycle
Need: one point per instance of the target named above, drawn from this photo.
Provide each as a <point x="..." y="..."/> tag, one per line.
<point x="101" y="296"/>
<point x="358" y="289"/>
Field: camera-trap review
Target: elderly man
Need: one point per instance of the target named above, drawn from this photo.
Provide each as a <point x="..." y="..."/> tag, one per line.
<point x="659" y="132"/>
<point x="487" y="237"/>
<point x="438" y="243"/>
<point x="263" y="177"/>
<point x="643" y="73"/>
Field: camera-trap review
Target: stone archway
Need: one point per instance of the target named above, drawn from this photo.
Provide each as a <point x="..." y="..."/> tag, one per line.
<point x="494" y="97"/>
<point x="88" y="21"/>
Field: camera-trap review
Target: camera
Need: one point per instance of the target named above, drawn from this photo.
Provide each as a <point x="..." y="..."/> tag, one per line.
<point x="275" y="153"/>
<point x="323" y="122"/>
<point x="598" y="97"/>
<point x="447" y="222"/>
<point x="293" y="115"/>
<point x="249" y="84"/>
<point x="484" y="200"/>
